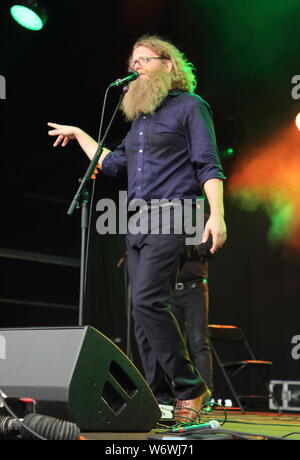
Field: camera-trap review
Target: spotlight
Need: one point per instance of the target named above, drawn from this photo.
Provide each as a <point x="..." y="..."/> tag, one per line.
<point x="228" y="152"/>
<point x="29" y="14"/>
<point x="297" y="121"/>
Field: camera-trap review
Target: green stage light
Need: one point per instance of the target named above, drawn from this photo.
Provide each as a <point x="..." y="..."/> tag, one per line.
<point x="228" y="152"/>
<point x="29" y="14"/>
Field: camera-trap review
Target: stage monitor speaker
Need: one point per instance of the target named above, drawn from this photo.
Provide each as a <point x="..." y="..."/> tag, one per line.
<point x="76" y="374"/>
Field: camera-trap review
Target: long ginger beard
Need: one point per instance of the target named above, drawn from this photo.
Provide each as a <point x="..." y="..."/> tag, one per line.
<point x="146" y="94"/>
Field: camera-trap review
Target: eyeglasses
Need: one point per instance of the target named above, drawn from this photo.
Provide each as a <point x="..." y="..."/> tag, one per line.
<point x="142" y="61"/>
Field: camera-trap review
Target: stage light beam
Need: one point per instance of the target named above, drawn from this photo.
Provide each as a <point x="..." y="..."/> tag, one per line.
<point x="267" y="177"/>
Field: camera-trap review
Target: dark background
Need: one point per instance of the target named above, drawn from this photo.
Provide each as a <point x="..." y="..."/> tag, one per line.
<point x="245" y="54"/>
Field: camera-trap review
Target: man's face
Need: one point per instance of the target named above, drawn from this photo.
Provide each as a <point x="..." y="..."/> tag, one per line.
<point x="153" y="84"/>
<point x="147" y="68"/>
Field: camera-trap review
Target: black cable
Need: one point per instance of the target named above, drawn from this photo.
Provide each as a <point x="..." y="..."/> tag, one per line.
<point x="260" y="424"/>
<point x="204" y="413"/>
<point x="37" y="426"/>
<point x="204" y="417"/>
<point x="290" y="434"/>
<point x="242" y="435"/>
<point x="53" y="429"/>
<point x="11" y="412"/>
<point x="234" y="434"/>
<point x="216" y="434"/>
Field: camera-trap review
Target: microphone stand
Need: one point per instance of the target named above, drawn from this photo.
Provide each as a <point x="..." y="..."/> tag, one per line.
<point x="81" y="198"/>
<point x="123" y="261"/>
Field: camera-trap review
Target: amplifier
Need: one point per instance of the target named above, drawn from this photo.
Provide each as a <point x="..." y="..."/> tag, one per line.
<point x="284" y="394"/>
<point x="76" y="374"/>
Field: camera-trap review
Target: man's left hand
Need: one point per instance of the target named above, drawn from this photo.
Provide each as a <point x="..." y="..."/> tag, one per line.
<point x="216" y="227"/>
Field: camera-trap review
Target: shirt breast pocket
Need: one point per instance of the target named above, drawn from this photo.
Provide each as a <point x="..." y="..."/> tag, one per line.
<point x="162" y="136"/>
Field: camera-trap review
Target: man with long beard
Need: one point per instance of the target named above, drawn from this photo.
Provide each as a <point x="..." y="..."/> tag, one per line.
<point x="169" y="153"/>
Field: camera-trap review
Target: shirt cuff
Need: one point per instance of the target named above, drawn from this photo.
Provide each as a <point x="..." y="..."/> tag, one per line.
<point x="212" y="174"/>
<point x="109" y="168"/>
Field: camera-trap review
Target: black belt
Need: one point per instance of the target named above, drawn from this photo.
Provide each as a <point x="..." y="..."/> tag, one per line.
<point x="190" y="284"/>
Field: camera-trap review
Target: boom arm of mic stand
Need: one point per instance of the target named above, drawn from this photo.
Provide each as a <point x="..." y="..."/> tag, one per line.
<point x="86" y="178"/>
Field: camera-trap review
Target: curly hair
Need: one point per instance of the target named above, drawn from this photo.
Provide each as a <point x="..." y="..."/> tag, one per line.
<point x="183" y="72"/>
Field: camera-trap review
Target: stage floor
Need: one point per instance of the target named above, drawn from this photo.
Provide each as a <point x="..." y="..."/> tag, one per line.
<point x="257" y="424"/>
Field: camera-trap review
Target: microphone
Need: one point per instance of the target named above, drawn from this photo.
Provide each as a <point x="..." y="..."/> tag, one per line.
<point x="211" y="425"/>
<point x="35" y="426"/>
<point x="122" y="81"/>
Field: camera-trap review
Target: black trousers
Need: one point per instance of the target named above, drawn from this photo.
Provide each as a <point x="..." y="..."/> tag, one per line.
<point x="190" y="307"/>
<point x="152" y="262"/>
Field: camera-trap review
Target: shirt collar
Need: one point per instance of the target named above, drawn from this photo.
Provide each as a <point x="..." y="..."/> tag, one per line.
<point x="174" y="92"/>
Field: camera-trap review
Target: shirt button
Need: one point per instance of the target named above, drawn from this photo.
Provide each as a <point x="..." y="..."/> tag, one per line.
<point x="141" y="133"/>
<point x="141" y="150"/>
<point x="139" y="188"/>
<point x="139" y="169"/>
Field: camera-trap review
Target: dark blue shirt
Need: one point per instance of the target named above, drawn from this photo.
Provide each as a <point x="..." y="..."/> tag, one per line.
<point x="169" y="154"/>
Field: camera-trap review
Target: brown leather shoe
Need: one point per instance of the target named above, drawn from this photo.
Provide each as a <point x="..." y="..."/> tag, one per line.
<point x="188" y="410"/>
